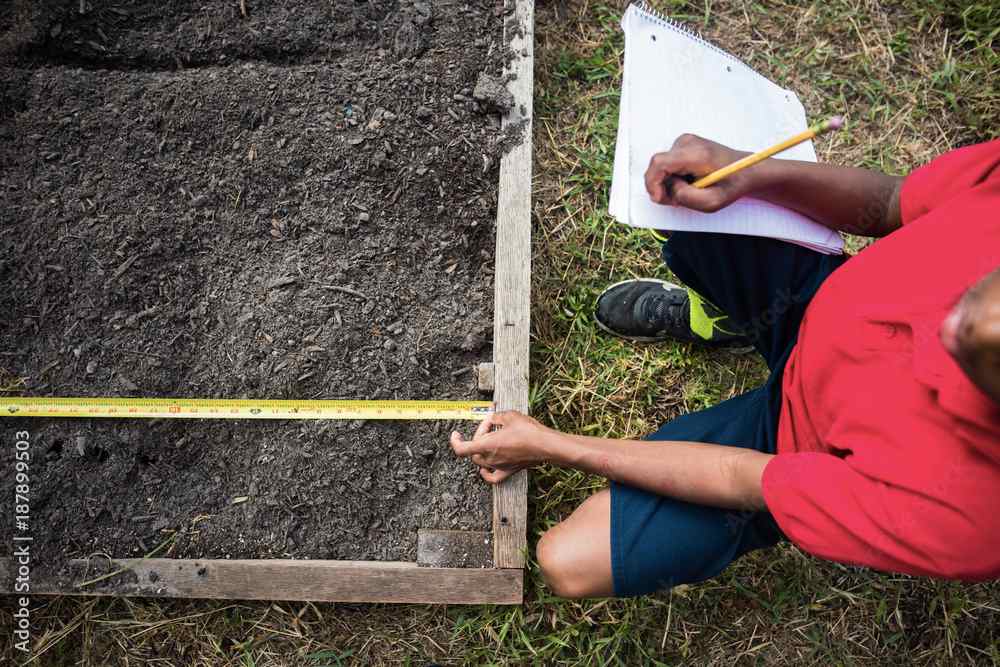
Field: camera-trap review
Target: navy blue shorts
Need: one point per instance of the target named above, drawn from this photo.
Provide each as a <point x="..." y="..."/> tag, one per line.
<point x="764" y="286"/>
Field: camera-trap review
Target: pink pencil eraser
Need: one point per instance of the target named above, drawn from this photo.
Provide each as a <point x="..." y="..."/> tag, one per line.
<point x="836" y="122"/>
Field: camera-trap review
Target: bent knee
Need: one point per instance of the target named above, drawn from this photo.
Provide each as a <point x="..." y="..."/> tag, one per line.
<point x="567" y="566"/>
<point x="556" y="563"/>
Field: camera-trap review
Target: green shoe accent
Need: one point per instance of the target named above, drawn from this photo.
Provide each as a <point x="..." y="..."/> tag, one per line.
<point x="658" y="236"/>
<point x="703" y="324"/>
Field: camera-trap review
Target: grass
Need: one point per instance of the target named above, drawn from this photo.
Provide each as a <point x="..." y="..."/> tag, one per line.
<point x="914" y="78"/>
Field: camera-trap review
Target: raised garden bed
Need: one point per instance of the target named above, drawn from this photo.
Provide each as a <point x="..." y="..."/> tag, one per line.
<point x="311" y="201"/>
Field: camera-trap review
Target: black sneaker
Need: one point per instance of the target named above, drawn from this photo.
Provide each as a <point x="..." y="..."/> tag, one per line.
<point x="651" y="310"/>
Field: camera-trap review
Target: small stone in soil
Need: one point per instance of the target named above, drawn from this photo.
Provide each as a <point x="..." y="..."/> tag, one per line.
<point x="471" y="342"/>
<point x="491" y="92"/>
<point x="409" y="43"/>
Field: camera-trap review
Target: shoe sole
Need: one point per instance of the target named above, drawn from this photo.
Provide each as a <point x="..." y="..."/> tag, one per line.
<point x="636" y="339"/>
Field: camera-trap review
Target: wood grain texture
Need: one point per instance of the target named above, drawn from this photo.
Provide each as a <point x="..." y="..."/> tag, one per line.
<point x="454" y="548"/>
<point x="315" y="580"/>
<point x="511" y="319"/>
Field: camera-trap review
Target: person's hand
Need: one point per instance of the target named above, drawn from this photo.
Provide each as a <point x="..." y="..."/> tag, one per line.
<point x="520" y="442"/>
<point x="694" y="157"/>
<point x="971" y="334"/>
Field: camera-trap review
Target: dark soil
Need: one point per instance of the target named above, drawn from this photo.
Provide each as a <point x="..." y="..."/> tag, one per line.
<point x="298" y="203"/>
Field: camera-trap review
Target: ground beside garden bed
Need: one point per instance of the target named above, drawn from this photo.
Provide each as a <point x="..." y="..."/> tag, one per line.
<point x="298" y="203"/>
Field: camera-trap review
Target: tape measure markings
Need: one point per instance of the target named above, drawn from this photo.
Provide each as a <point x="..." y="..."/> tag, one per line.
<point x="218" y="408"/>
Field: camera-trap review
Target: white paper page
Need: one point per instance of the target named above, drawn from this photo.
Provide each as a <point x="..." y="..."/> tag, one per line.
<point x="618" y="198"/>
<point x="676" y="83"/>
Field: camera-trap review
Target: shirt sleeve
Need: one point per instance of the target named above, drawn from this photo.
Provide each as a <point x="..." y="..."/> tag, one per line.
<point x="947" y="176"/>
<point x="832" y="511"/>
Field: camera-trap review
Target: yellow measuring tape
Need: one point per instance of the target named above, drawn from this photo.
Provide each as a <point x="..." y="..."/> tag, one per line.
<point x="225" y="408"/>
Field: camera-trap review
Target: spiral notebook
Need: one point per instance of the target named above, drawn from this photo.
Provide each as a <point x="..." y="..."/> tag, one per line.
<point x="675" y="82"/>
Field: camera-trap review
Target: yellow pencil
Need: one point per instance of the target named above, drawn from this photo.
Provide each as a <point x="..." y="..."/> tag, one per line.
<point x="834" y="123"/>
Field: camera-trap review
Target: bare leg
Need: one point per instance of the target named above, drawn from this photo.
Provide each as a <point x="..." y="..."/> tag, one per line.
<point x="575" y="555"/>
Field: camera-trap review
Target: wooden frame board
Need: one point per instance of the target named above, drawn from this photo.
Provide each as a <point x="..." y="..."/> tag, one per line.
<point x="280" y="579"/>
<point x="385" y="581"/>
<point x="511" y="316"/>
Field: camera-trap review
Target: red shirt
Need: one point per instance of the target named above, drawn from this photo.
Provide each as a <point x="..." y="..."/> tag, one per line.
<point x="888" y="456"/>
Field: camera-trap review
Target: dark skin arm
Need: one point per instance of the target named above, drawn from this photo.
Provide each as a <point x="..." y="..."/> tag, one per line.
<point x="842" y="198"/>
<point x="846" y="199"/>
<point x="704" y="473"/>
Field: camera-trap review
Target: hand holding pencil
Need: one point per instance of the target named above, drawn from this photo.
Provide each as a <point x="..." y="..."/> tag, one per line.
<point x="724" y="175"/>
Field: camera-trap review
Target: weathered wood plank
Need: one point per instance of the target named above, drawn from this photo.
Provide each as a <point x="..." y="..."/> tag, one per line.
<point x="454" y="548"/>
<point x="278" y="579"/>
<point x="511" y="318"/>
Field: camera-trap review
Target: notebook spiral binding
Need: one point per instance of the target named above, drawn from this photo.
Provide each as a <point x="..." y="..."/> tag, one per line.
<point x="670" y="24"/>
